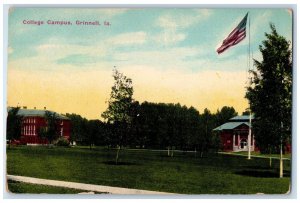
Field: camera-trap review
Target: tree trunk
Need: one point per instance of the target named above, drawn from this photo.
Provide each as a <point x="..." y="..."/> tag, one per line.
<point x="168" y="151"/>
<point x="117" y="155"/>
<point x="195" y="151"/>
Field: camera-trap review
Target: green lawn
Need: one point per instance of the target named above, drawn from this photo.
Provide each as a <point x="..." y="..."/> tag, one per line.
<point x="151" y="170"/>
<point x="19" y="187"/>
<point x="287" y="156"/>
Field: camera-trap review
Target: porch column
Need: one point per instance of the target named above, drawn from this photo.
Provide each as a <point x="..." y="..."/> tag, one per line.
<point x="233" y="142"/>
<point x="238" y="140"/>
<point x="253" y="142"/>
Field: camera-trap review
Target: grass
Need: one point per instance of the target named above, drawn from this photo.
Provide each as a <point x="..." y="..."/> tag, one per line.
<point x="19" y="187"/>
<point x="287" y="156"/>
<point x="151" y="170"/>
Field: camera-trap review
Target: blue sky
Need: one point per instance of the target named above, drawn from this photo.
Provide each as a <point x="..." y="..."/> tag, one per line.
<point x="145" y="44"/>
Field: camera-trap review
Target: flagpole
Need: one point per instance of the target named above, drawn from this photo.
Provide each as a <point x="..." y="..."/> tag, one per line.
<point x="249" y="135"/>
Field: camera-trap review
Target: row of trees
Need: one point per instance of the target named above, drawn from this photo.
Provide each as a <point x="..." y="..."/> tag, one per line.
<point x="88" y="132"/>
<point x="153" y="125"/>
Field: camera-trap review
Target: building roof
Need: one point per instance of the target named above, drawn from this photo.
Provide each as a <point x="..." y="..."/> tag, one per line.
<point x="234" y="123"/>
<point x="230" y="126"/>
<point x="39" y="113"/>
<point x="241" y="118"/>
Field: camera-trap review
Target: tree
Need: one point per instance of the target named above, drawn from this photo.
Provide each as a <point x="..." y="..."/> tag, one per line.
<point x="270" y="94"/>
<point x="225" y="114"/>
<point x="207" y="125"/>
<point x="193" y="129"/>
<point x="14" y="123"/>
<point x="79" y="128"/>
<point x="95" y="132"/>
<point x="52" y="130"/>
<point x="119" y="107"/>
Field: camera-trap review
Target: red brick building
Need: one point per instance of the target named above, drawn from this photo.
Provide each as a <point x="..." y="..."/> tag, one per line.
<point x="234" y="134"/>
<point x="34" y="120"/>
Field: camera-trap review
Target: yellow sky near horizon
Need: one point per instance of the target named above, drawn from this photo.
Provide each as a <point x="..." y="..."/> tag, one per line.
<point x="86" y="92"/>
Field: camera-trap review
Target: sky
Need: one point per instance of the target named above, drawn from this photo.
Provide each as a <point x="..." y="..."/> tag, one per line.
<point x="169" y="53"/>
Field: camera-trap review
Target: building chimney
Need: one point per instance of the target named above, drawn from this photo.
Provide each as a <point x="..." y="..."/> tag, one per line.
<point x="24" y="107"/>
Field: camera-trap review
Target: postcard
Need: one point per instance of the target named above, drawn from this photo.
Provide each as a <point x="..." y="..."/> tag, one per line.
<point x="149" y="101"/>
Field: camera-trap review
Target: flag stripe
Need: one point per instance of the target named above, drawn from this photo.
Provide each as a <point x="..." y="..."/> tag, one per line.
<point x="232" y="42"/>
<point x="235" y="36"/>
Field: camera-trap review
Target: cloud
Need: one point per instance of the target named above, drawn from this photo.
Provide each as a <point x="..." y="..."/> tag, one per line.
<point x="78" y="60"/>
<point x="169" y="37"/>
<point x="54" y="49"/>
<point x="260" y="23"/>
<point x="183" y="20"/>
<point x="173" y="25"/>
<point x="59" y="51"/>
<point x="128" y="38"/>
<point x="168" y="58"/>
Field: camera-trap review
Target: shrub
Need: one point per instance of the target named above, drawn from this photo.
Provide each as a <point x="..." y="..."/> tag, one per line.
<point x="62" y="142"/>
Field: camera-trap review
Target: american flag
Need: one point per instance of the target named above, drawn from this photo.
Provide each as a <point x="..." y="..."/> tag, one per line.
<point x="236" y="36"/>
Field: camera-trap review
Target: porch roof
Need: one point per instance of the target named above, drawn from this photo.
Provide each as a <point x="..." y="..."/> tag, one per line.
<point x="230" y="126"/>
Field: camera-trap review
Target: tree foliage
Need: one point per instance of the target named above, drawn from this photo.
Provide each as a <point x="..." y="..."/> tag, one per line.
<point x="270" y="92"/>
<point x="120" y="101"/>
<point x="52" y="130"/>
<point x="88" y="132"/>
<point x="79" y="128"/>
<point x="119" y="111"/>
<point x="14" y="124"/>
<point x="158" y="126"/>
<point x="225" y="114"/>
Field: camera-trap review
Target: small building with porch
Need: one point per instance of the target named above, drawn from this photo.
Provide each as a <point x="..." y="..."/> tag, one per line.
<point x="234" y="134"/>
